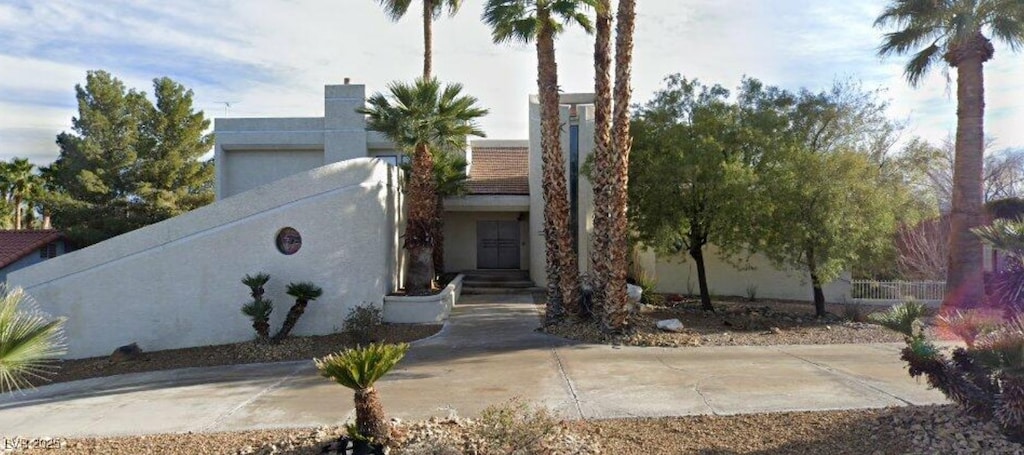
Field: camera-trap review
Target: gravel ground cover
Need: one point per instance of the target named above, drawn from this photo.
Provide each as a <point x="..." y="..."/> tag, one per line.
<point x="913" y="430"/>
<point x="739" y="323"/>
<point x="292" y="348"/>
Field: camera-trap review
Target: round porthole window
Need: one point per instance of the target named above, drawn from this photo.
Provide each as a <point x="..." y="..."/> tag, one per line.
<point x="288" y="241"/>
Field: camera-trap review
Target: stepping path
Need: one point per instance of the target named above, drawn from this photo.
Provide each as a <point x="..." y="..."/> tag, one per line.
<point x="487" y="353"/>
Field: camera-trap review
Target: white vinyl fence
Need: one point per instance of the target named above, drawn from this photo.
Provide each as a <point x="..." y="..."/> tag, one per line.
<point x="891" y="292"/>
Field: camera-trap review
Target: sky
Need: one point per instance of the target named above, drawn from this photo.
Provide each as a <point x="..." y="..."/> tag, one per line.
<point x="271" y="58"/>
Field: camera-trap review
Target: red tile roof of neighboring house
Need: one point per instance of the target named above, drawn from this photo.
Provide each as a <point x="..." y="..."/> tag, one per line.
<point x="15" y="245"/>
<point x="500" y="170"/>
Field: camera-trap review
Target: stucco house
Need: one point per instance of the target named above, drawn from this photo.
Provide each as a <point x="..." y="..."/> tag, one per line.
<point x="320" y="199"/>
<point x="22" y="248"/>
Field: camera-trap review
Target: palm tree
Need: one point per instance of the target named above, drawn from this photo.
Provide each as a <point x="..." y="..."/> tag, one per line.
<point x="603" y="178"/>
<point x="450" y="176"/>
<point x="954" y="31"/>
<point x="29" y="341"/>
<point x="432" y="9"/>
<point x="615" y="312"/>
<point x="539" y="21"/>
<point x="419" y="117"/>
<point x="304" y="293"/>
<point x="23" y="184"/>
<point x="359" y="369"/>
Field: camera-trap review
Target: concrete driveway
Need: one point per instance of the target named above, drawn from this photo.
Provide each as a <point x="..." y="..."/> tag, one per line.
<point x="488" y="352"/>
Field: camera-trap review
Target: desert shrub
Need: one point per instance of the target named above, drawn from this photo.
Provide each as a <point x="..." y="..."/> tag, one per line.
<point x="752" y="292"/>
<point x="30" y="341"/>
<point x="900" y="317"/>
<point x="968" y="325"/>
<point x="363" y="323"/>
<point x="856" y="312"/>
<point x="514" y="427"/>
<point x="986" y="379"/>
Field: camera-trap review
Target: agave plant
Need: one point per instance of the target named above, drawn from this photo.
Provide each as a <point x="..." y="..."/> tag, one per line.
<point x="359" y="369"/>
<point x="304" y="293"/>
<point x="900" y="317"/>
<point x="30" y="341"/>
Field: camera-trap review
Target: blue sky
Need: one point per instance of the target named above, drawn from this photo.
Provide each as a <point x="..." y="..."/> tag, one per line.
<point x="273" y="57"/>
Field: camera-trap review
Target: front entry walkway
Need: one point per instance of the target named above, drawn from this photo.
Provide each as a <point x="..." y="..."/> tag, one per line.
<point x="487" y="353"/>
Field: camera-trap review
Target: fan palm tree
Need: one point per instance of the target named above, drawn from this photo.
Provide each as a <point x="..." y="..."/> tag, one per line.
<point x="23" y="183"/>
<point x="954" y="32"/>
<point x="601" y="173"/>
<point x="359" y="369"/>
<point x="451" y="178"/>
<point x="29" y="341"/>
<point x="419" y="117"/>
<point x="304" y="293"/>
<point x="432" y="9"/>
<point x="540" y="21"/>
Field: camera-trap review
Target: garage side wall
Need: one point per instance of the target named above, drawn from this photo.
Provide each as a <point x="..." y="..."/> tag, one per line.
<point x="177" y="283"/>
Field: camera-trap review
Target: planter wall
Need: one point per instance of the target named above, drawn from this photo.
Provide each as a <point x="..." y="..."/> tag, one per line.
<point x="423" y="309"/>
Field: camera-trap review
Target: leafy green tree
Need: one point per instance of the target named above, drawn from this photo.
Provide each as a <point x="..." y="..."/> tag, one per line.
<point x="432" y="9"/>
<point x="540" y="22"/>
<point x="128" y="163"/>
<point x="417" y="118"/>
<point x="835" y="196"/>
<point x="954" y="32"/>
<point x="689" y="135"/>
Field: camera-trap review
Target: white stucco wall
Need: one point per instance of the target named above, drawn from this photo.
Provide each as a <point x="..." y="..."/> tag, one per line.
<point x="674" y="272"/>
<point x="460" y="237"/>
<point x="247" y="169"/>
<point x="176" y="283"/>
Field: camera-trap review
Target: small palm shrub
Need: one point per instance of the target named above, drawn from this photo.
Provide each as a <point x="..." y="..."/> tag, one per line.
<point x="900" y="317"/>
<point x="363" y="323"/>
<point x="258" y="309"/>
<point x="359" y="369"/>
<point x="304" y="293"/>
<point x="30" y="341"/>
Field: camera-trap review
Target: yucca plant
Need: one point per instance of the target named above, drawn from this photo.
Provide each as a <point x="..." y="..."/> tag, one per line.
<point x="30" y="341"/>
<point x="258" y="309"/>
<point x="304" y="293"/>
<point x="359" y="369"/>
<point x="900" y="317"/>
<point x="987" y="379"/>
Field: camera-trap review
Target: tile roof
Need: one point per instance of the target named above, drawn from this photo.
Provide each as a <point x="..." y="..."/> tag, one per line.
<point x="500" y="170"/>
<point x="15" y="245"/>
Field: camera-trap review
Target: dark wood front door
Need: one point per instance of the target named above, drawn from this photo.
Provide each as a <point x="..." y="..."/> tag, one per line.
<point x="497" y="244"/>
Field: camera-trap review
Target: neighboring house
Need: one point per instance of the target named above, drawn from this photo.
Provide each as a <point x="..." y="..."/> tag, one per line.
<point x="22" y="248"/>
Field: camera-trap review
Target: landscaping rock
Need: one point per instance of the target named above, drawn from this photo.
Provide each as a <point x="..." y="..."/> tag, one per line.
<point x="634" y="292"/>
<point x="126" y="353"/>
<point x="670" y="325"/>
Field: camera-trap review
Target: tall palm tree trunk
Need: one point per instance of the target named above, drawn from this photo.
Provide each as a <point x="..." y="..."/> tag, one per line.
<point x="600" y="257"/>
<point x="562" y="269"/>
<point x="428" y="38"/>
<point x="616" y="314"/>
<point x="17" y="211"/>
<point x="438" y="252"/>
<point x="964" y="277"/>
<point x="419" y="229"/>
